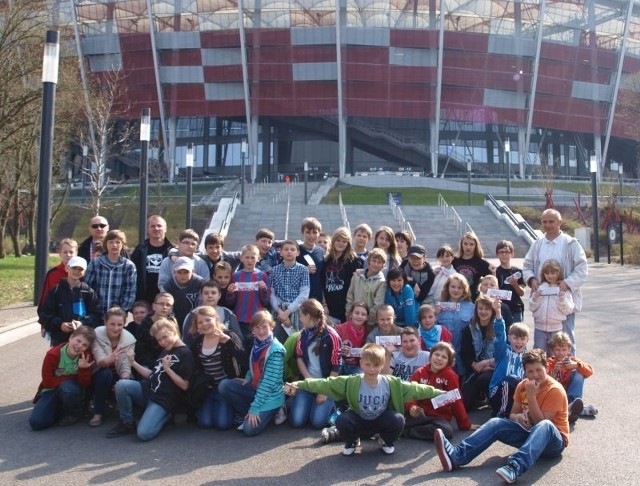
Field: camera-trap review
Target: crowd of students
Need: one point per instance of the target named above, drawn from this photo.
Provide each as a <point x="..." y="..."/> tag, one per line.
<point x="351" y="340"/>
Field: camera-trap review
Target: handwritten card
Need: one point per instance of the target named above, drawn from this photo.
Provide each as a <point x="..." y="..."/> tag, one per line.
<point x="446" y="398"/>
<point x="500" y="294"/>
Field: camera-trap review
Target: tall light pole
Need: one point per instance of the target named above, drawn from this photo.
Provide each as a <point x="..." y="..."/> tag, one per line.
<point x="507" y="155"/>
<point x="85" y="153"/>
<point x="145" y="136"/>
<point x="468" y="182"/>
<point x="189" y="164"/>
<point x="243" y="150"/>
<point x="49" y="84"/>
<point x="306" y="179"/>
<point x="594" y="203"/>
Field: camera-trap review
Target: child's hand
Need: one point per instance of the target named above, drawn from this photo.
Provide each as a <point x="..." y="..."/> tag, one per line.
<point x="416" y="290"/>
<point x="346" y="350"/>
<point x="416" y="411"/>
<point x="497" y="307"/>
<point x="131" y="356"/>
<point x="561" y="295"/>
<point x="320" y="399"/>
<point x="85" y="361"/>
<point x="231" y="288"/>
<point x="67" y="327"/>
<point x="536" y="294"/>
<point x="531" y="387"/>
<point x="312" y="269"/>
<point x="569" y="364"/>
<point x="291" y="388"/>
<point x="262" y="285"/>
<point x="166" y="362"/>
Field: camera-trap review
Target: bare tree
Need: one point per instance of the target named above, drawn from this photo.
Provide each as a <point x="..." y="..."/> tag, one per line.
<point x="105" y="132"/>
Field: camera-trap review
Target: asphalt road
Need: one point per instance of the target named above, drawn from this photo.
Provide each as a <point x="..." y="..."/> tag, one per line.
<point x="600" y="453"/>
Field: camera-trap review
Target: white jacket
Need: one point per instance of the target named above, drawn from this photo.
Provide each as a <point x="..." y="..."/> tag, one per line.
<point x="550" y="310"/>
<point x="102" y="348"/>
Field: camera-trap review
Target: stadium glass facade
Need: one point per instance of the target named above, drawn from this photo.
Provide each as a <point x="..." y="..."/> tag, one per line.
<point x="358" y="85"/>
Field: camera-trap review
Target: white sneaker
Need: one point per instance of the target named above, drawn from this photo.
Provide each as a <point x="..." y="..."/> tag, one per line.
<point x="349" y="449"/>
<point x="281" y="416"/>
<point x="388" y="449"/>
<point x="589" y="411"/>
<point x="241" y="426"/>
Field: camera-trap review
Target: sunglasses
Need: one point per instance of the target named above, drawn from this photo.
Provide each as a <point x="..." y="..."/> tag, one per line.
<point x="100" y="225"/>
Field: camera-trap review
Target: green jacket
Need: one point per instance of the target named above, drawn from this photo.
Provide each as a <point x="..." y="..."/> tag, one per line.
<point x="348" y="388"/>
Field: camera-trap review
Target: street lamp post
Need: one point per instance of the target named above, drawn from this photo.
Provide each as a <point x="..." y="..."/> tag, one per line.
<point x="85" y="153"/>
<point x="594" y="203"/>
<point x="49" y="83"/>
<point x="306" y="179"/>
<point x="507" y="154"/>
<point x="145" y="136"/>
<point x="468" y="183"/>
<point x="189" y="164"/>
<point x="243" y="149"/>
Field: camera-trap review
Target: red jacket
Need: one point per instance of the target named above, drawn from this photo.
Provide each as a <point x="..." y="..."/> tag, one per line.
<point x="563" y="375"/>
<point x="446" y="380"/>
<point x="49" y="378"/>
<point x="54" y="275"/>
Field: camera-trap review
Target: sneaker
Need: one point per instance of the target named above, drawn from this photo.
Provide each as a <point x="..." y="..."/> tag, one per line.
<point x="589" y="411"/>
<point x="281" y="416"/>
<point x="575" y="409"/>
<point x="330" y="434"/>
<point x="349" y="449"/>
<point x="121" y="428"/>
<point x="240" y="427"/>
<point x="69" y="420"/>
<point x="507" y="473"/>
<point x="388" y="449"/>
<point x="445" y="450"/>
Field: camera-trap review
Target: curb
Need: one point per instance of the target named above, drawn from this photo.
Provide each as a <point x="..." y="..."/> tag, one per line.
<point x="16" y="325"/>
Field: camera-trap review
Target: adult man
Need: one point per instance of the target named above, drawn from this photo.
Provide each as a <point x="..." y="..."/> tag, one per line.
<point x="98" y="228"/>
<point x="148" y="257"/>
<point x="565" y="249"/>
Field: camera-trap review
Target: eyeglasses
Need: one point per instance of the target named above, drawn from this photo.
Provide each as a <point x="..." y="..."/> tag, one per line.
<point x="100" y="225"/>
<point x="504" y="252"/>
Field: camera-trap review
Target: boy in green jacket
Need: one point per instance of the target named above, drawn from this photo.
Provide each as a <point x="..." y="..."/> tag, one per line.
<point x="376" y="401"/>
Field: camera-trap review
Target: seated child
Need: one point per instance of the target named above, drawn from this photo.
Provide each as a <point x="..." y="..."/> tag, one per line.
<point x="110" y="352"/>
<point x="353" y="334"/>
<point x="508" y="369"/>
<point x="537" y="425"/>
<point x="430" y="332"/>
<point x="401" y="297"/>
<point x="409" y="358"/>
<point x="163" y="386"/>
<point x="258" y="397"/>
<point x="66" y="374"/>
<point x="571" y="373"/>
<point x="69" y="304"/>
<point x="550" y="305"/>
<point x="147" y="348"/>
<point x="385" y="324"/>
<point x="139" y="311"/>
<point x="419" y="272"/>
<point x="369" y="285"/>
<point x="210" y="295"/>
<point x="376" y="401"/>
<point x="290" y="288"/>
<point x="491" y="282"/>
<point x="423" y="419"/>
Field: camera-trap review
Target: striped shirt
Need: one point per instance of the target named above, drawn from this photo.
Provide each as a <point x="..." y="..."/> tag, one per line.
<point x="248" y="297"/>
<point x="211" y="359"/>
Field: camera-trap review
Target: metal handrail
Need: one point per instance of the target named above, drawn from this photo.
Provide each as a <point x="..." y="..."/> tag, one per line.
<point x="397" y="213"/>
<point x="519" y="223"/>
<point x="343" y="213"/>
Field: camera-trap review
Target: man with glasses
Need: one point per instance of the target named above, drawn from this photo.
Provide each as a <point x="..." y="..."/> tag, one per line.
<point x="188" y="243"/>
<point x="98" y="228"/>
<point x="148" y="257"/>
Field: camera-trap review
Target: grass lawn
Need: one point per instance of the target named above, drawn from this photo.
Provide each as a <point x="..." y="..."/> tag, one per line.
<point x="16" y="278"/>
<point x="411" y="196"/>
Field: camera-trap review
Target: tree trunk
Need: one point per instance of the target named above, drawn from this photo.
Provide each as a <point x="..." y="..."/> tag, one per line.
<point x="3" y="254"/>
<point x="14" y="228"/>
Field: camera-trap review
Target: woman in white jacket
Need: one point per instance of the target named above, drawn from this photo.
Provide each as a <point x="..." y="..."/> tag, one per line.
<point x="110" y="354"/>
<point x="549" y="304"/>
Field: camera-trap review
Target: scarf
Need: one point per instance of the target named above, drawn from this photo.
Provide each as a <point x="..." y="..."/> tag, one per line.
<point x="430" y="336"/>
<point x="258" y="357"/>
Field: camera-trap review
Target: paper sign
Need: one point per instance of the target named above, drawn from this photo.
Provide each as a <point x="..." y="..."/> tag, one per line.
<point x="246" y="286"/>
<point x="500" y="294"/>
<point x="549" y="290"/>
<point x="355" y="353"/>
<point x="446" y="398"/>
<point x="309" y="260"/>
<point x="383" y="340"/>
<point x="449" y="306"/>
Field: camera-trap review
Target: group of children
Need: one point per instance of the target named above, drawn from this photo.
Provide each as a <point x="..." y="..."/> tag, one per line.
<point x="366" y="340"/>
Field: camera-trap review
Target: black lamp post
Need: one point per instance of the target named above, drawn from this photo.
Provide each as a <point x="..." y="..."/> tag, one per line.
<point x="49" y="84"/>
<point x="145" y="136"/>
<point x="189" y="165"/>
<point x="243" y="150"/>
<point x="594" y="203"/>
<point x="507" y="154"/>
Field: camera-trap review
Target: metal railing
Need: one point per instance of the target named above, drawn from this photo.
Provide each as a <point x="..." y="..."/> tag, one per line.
<point x="518" y="223"/>
<point x="452" y="215"/>
<point x="405" y="225"/>
<point x="343" y="213"/>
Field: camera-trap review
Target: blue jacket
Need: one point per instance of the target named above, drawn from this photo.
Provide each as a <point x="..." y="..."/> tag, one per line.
<point x="508" y="362"/>
<point x="404" y="305"/>
<point x="455" y="322"/>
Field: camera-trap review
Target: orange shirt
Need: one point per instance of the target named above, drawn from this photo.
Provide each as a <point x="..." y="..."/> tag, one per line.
<point x="551" y="397"/>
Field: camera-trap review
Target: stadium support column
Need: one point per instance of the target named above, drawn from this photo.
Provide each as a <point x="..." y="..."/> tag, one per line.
<point x="435" y="126"/>
<point x="342" y="120"/>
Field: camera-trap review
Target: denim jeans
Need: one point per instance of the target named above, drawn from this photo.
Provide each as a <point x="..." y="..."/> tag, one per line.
<point x="102" y="380"/>
<point x="569" y="326"/>
<point x="303" y="408"/>
<point x="53" y="404"/>
<point x="517" y="316"/>
<point x="575" y="386"/>
<point x="348" y="369"/>
<point x="543" y="439"/>
<point x="215" y="412"/>
<point x="239" y="396"/>
<point x="352" y="426"/>
<point x="154" y="417"/>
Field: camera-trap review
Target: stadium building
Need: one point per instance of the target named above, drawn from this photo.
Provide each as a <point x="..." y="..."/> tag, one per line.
<point x="426" y="86"/>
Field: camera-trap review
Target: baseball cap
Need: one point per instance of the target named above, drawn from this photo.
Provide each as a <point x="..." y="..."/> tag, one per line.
<point x="183" y="263"/>
<point x="417" y="250"/>
<point x="77" y="261"/>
